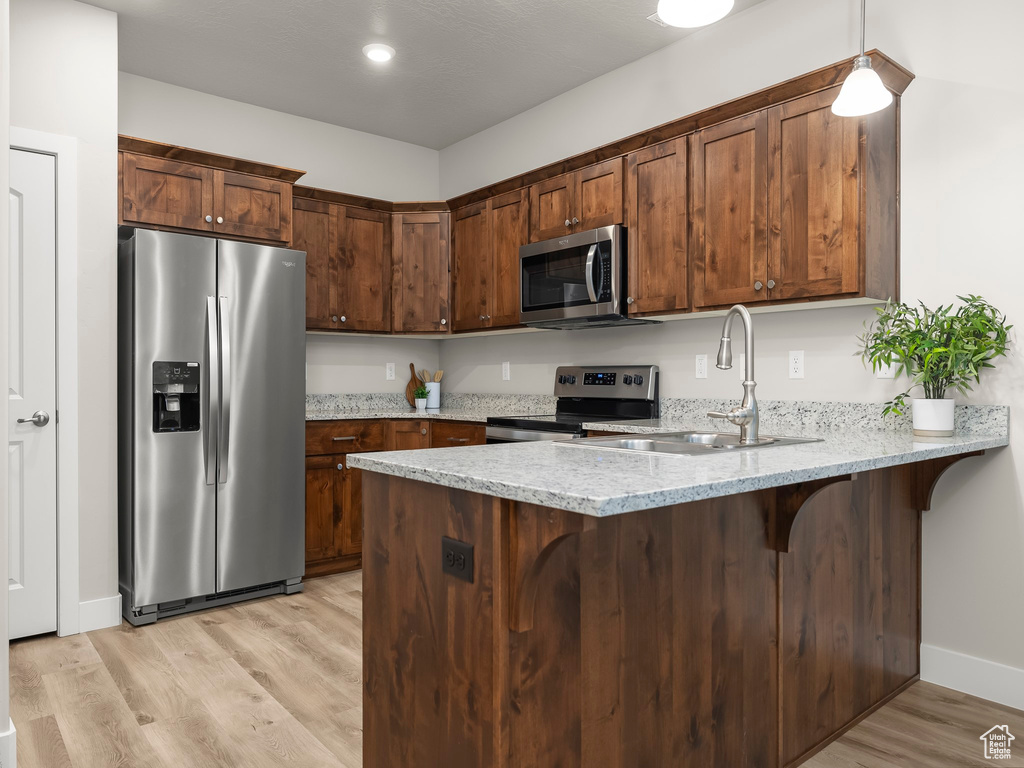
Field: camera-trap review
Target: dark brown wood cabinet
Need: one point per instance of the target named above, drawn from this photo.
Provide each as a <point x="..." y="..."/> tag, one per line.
<point x="574" y="202"/>
<point x="658" y="219"/>
<point x="170" y="194"/>
<point x="311" y="232"/>
<point x="420" y="279"/>
<point x="729" y="212"/>
<point x="452" y="434"/>
<point x="408" y="434"/>
<point x="486" y="238"/>
<point x="361" y="274"/>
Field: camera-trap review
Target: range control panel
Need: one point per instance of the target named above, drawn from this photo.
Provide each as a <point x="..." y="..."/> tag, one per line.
<point x="631" y="382"/>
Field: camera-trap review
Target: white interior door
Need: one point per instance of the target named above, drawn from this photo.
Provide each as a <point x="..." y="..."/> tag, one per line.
<point x="32" y="395"/>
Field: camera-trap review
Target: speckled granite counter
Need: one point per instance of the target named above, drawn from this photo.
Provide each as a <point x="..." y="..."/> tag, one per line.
<point x="454" y="407"/>
<point x="445" y="414"/>
<point x="606" y="482"/>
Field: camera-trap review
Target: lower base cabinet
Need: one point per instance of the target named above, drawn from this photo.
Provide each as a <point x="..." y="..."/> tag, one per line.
<point x="334" y="492"/>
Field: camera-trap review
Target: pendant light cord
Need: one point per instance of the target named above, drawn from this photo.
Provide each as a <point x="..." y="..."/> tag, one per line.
<point x="863" y="15"/>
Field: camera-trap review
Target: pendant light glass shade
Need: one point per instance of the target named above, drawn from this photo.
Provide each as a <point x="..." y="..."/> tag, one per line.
<point x="863" y="91"/>
<point x="693" y="13"/>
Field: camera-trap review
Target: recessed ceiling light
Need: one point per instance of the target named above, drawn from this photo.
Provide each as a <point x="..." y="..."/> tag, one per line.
<point x="379" y="52"/>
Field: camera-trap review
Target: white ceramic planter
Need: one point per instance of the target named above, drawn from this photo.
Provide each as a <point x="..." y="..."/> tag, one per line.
<point x="421" y="405"/>
<point x="932" y="418"/>
<point x="433" y="395"/>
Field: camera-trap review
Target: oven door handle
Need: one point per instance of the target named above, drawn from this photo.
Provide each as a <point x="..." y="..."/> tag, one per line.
<point x="514" y="435"/>
<point x="591" y="255"/>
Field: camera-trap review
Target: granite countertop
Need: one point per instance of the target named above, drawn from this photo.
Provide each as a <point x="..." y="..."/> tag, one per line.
<point x="601" y="482"/>
<point x="445" y="414"/>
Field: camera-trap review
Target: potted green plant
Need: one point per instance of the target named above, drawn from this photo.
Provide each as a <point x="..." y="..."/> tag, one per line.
<point x="421" y="398"/>
<point x="939" y="350"/>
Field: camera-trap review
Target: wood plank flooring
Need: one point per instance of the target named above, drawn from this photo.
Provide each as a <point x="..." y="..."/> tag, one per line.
<point x="277" y="682"/>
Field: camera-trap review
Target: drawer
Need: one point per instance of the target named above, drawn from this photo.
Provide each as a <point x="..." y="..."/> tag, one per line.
<point x="348" y="436"/>
<point x="448" y="434"/>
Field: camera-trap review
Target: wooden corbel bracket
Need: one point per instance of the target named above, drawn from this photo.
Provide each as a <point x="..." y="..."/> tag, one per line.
<point x="789" y="500"/>
<point x="535" y="533"/>
<point x="925" y="475"/>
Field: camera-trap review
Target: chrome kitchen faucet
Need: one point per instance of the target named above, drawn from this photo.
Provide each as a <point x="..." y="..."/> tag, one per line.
<point x="745" y="414"/>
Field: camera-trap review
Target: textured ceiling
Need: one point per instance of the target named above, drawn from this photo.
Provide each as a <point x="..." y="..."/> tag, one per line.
<point x="462" y="65"/>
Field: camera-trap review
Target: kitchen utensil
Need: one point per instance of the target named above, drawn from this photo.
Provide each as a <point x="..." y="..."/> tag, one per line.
<point x="414" y="384"/>
<point x="438" y="375"/>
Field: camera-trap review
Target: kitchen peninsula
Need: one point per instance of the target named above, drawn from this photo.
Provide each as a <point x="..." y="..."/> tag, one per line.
<point x="737" y="608"/>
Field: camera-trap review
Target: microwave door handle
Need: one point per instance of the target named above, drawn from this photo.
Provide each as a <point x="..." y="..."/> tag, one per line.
<point x="591" y="254"/>
<point x="212" y="391"/>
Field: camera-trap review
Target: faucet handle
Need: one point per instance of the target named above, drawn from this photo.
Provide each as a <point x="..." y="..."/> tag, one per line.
<point x="717" y="415"/>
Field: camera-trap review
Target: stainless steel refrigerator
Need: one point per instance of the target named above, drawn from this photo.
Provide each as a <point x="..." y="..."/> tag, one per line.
<point x="211" y="368"/>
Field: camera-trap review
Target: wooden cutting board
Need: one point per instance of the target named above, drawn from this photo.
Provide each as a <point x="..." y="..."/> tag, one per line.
<point x="414" y="384"/>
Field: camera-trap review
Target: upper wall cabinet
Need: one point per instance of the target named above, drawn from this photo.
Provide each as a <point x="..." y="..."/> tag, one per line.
<point x="485" y="244"/>
<point x="179" y="189"/>
<point x="658" y="218"/>
<point x="348" y="265"/>
<point x="574" y="202"/>
<point x="420" y="277"/>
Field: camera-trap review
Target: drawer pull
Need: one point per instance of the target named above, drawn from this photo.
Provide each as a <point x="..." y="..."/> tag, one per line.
<point x="458" y="439"/>
<point x="343" y="439"/>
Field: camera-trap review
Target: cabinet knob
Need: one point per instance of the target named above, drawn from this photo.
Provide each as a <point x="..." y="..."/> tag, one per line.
<point x="209" y="219"/>
<point x="341" y="467"/>
<point x="487" y="317"/>
<point x="629" y="299"/>
<point x="568" y="223"/>
<point x="758" y="285"/>
<point x="771" y="283"/>
<point x="423" y="431"/>
<point x="220" y="219"/>
<point x="575" y="220"/>
<point x="343" y="318"/>
<point x="443" y="321"/>
<point x="482" y="317"/>
<point x="334" y="318"/>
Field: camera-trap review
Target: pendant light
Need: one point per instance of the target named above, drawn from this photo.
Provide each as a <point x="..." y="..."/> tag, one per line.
<point x="693" y="13"/>
<point x="863" y="91"/>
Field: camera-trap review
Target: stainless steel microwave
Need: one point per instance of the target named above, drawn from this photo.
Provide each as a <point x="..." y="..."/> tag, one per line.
<point x="575" y="281"/>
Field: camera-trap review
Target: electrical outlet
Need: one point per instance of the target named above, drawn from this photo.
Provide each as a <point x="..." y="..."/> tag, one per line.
<point x="457" y="558"/>
<point x="506" y="372"/>
<point x="796" y="364"/>
<point x="701" y="371"/>
<point x="389" y="372"/>
<point x="886" y="372"/>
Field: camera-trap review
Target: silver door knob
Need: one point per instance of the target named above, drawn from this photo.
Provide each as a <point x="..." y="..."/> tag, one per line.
<point x="341" y="467"/>
<point x="771" y="283"/>
<point x="209" y="219"/>
<point x="423" y="431"/>
<point x="629" y="299"/>
<point x="39" y="419"/>
<point x="575" y="220"/>
<point x="482" y="317"/>
<point x="334" y="318"/>
<point x="758" y="285"/>
<point x="220" y="219"/>
<point x="443" y="321"/>
<point x="343" y="318"/>
<point x="487" y="317"/>
<point x="568" y="223"/>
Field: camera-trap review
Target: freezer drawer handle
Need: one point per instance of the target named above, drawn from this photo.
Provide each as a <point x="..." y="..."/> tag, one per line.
<point x="212" y="391"/>
<point x="225" y="408"/>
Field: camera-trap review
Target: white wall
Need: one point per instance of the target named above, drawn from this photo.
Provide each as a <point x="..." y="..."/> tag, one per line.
<point x="962" y="161"/>
<point x="357" y="364"/>
<point x="334" y="158"/>
<point x="64" y="81"/>
<point x="5" y="104"/>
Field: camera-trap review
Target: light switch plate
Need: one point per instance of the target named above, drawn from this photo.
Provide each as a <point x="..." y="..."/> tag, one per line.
<point x="389" y="372"/>
<point x="701" y="368"/>
<point x="796" y="364"/>
<point x="506" y="372"/>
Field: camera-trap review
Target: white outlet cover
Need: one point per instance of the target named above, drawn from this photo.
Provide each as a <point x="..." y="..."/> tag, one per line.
<point x="506" y="372"/>
<point x="389" y="372"/>
<point x="796" y="364"/>
<point x="701" y="367"/>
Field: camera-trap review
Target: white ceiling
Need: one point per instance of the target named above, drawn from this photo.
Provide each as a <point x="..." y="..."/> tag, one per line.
<point x="462" y="65"/>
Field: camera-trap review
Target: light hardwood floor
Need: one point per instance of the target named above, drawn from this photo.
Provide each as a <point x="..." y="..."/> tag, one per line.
<point x="276" y="682"/>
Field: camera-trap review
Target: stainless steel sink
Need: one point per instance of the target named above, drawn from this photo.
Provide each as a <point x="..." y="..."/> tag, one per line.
<point x="685" y="443"/>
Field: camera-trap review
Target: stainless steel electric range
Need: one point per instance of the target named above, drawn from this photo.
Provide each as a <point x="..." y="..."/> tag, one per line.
<point x="585" y="394"/>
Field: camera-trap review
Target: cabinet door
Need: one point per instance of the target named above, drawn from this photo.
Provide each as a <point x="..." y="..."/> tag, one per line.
<point x="474" y="267"/>
<point x="552" y="203"/>
<point x="166" y="193"/>
<point x="420" y="280"/>
<point x="658" y="228"/>
<point x="361" y="277"/>
<point x="408" y="434"/>
<point x="509" y="230"/>
<point x="599" y="199"/>
<point x="252" y="207"/>
<point x="311" y="232"/>
<point x="324" y="510"/>
<point x="813" y="214"/>
<point x="729" y="212"/>
<point x="351" y="502"/>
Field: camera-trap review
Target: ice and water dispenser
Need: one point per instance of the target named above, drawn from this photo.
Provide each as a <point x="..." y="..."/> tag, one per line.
<point x="175" y="396"/>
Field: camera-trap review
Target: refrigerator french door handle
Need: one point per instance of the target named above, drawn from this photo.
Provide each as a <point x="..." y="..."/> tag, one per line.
<point x="213" y="391"/>
<point x="224" y="436"/>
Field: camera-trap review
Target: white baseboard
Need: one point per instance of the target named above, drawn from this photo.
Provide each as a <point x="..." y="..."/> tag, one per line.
<point x="99" y="614"/>
<point x="969" y="674"/>
<point x="9" y="747"/>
